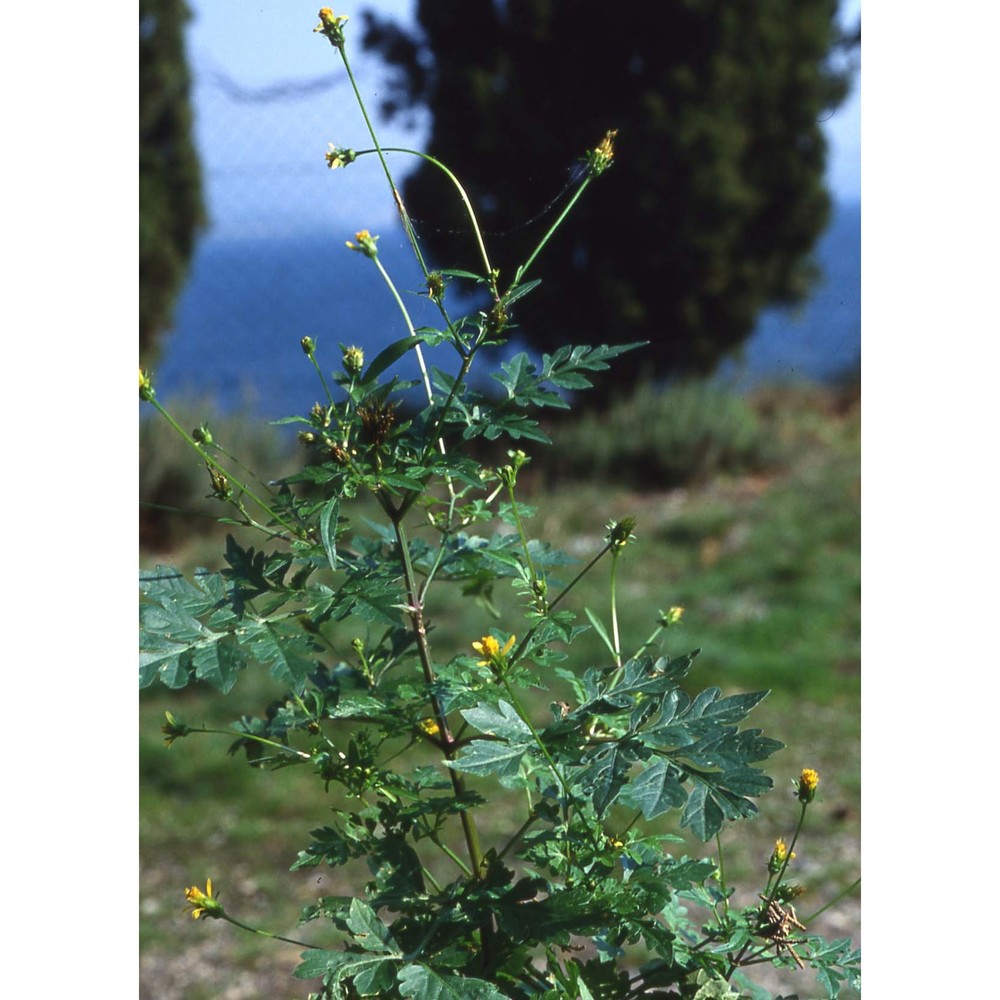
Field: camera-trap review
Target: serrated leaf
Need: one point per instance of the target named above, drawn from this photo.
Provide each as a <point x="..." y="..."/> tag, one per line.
<point x="606" y="774"/>
<point x="702" y="814"/>
<point x="420" y="982"/>
<point x="505" y="723"/>
<point x="368" y="930"/>
<point x="338" y="965"/>
<point x="490" y="757"/>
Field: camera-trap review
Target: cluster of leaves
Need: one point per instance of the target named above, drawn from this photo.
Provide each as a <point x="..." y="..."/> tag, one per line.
<point x="417" y="745"/>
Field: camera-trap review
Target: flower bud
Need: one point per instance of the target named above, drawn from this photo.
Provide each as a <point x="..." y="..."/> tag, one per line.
<point x="146" y="390"/>
<point x="308" y="346"/>
<point x="435" y="285"/>
<point x="337" y="157"/>
<point x="202" y="434"/>
<point x="672" y="616"/>
<point x="620" y="532"/>
<point x="354" y="360"/>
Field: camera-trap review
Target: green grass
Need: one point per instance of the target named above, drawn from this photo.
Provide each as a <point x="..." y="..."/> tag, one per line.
<point x="767" y="565"/>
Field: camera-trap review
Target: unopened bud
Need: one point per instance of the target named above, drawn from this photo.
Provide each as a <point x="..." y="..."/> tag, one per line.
<point x="354" y="360"/>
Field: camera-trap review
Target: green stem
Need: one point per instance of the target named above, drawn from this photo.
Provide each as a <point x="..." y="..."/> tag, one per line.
<point x="403" y="214"/>
<point x="519" y="275"/>
<point x="243" y="488"/>
<point x="521" y="532"/>
<point x="722" y="872"/>
<point x="772" y="892"/>
<point x="523" y="644"/>
<point x="615" y="553"/>
<point x="267" y="934"/>
<point x="415" y="611"/>
<point x="409" y="327"/>
<point x="836" y="899"/>
<point x="461" y="192"/>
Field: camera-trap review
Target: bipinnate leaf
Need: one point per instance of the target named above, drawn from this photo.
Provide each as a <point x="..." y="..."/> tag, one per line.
<point x="423" y="983"/>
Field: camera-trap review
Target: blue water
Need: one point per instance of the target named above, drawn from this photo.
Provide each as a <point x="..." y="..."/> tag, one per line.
<point x="248" y="303"/>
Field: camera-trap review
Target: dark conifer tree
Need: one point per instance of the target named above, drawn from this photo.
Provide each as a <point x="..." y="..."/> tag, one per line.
<point x="170" y="198"/>
<point x="717" y="194"/>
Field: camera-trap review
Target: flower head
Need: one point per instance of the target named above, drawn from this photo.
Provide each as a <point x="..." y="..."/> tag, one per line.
<point x="365" y="244"/>
<point x="620" y="532"/>
<point x="671" y="616"/>
<point x="598" y="160"/>
<point x="489" y="649"/>
<point x="354" y="360"/>
<point x="808" y="781"/>
<point x="331" y="26"/>
<point x="203" y="904"/>
<point x="778" y="856"/>
<point x="173" y="730"/>
<point x="337" y="157"/>
<point x="146" y="390"/>
<point x="430" y="727"/>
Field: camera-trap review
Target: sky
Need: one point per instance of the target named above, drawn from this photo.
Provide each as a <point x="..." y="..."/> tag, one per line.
<point x="263" y="161"/>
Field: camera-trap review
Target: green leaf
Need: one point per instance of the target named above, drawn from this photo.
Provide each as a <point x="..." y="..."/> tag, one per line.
<point x="600" y="630"/>
<point x="520" y="291"/>
<point x="335" y="966"/>
<point x="328" y="529"/>
<point x="606" y="774"/>
<point x="702" y="813"/>
<point x="656" y="790"/>
<point x="490" y="757"/>
<point x="388" y="357"/>
<point x="369" y="932"/>
<point x="423" y="983"/>
<point x="506" y="723"/>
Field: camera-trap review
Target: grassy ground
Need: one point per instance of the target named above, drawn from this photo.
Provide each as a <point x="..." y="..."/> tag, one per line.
<point x="767" y="565"/>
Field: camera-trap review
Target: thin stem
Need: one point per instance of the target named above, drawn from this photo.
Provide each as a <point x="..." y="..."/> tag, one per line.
<point x="322" y="377"/>
<point x="523" y="644"/>
<point x="423" y="649"/>
<point x="521" y="532"/>
<point x="409" y="326"/>
<point x="403" y="214"/>
<point x="267" y="934"/>
<point x="722" y="872"/>
<point x="836" y="899"/>
<point x="461" y="192"/>
<point x="243" y="488"/>
<point x="519" y="275"/>
<point x="615" y="553"/>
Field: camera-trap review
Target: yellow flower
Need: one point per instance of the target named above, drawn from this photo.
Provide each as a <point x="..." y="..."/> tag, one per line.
<point x="146" y="390"/>
<point x="808" y="781"/>
<point x="203" y="903"/>
<point x="598" y="160"/>
<point x="338" y="157"/>
<point x="671" y="617"/>
<point x="365" y="244"/>
<point x="332" y="26"/>
<point x="778" y="856"/>
<point x="489" y="648"/>
<point x="430" y="727"/>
